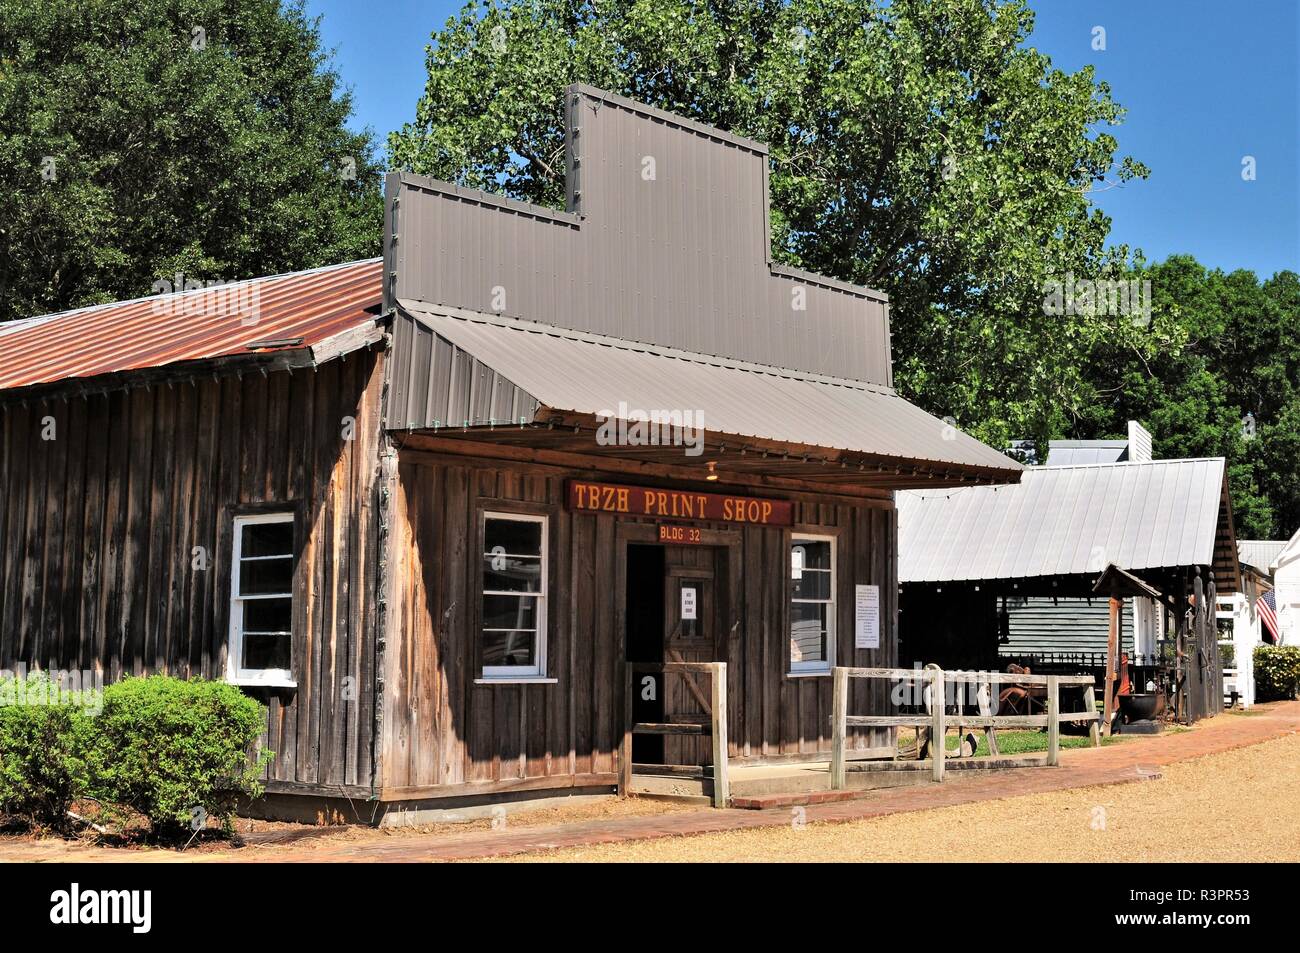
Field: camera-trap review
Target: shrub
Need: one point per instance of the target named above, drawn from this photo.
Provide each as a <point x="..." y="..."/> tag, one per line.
<point x="44" y="739"/>
<point x="1277" y="672"/>
<point x="177" y="750"/>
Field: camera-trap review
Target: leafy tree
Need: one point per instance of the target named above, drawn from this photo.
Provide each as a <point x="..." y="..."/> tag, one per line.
<point x="918" y="146"/>
<point x="1219" y="376"/>
<point x="139" y="138"/>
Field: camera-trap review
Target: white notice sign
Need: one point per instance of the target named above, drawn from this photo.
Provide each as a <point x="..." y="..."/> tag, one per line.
<point x="688" y="603"/>
<point x="866" y="616"/>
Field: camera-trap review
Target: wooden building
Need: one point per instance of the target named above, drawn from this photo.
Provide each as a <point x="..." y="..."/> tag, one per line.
<point x="429" y="509"/>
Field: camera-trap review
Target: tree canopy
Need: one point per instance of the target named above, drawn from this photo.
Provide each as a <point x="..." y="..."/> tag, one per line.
<point x="918" y="146"/>
<point x="141" y="138"/>
<point x="1220" y="377"/>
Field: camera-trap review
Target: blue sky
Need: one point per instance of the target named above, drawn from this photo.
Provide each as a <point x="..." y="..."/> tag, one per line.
<point x="1205" y="83"/>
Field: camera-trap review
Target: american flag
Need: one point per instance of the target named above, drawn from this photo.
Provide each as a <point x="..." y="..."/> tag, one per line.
<point x="1266" y="605"/>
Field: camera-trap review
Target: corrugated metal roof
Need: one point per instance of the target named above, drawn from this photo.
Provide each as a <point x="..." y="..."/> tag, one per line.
<point x="1064" y="521"/>
<point x="584" y="373"/>
<point x="1260" y="554"/>
<point x="297" y="310"/>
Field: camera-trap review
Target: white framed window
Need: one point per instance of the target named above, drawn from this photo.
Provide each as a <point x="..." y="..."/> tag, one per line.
<point x="512" y="618"/>
<point x="812" y="603"/>
<point x="261" y="600"/>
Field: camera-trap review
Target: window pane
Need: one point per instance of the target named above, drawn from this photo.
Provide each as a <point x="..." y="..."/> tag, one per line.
<point x="512" y="574"/>
<point x="812" y="584"/>
<point x="268" y="615"/>
<point x="261" y="577"/>
<point x="508" y="648"/>
<point x="266" y="651"/>
<point x="808" y="628"/>
<point x="509" y="612"/>
<point x="816" y="553"/>
<point x="516" y="537"/>
<point x="267" y="539"/>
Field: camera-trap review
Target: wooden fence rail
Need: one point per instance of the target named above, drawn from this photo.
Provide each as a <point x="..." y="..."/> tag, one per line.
<point x="936" y="719"/>
<point x="713" y="724"/>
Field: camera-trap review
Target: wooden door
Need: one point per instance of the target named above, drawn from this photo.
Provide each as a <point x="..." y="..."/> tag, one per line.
<point x="694" y="607"/>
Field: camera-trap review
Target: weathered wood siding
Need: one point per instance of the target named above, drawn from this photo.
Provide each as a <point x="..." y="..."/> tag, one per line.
<point x="441" y="728"/>
<point x="98" y="529"/>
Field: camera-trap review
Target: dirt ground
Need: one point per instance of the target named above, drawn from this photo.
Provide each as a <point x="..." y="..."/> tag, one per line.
<point x="1228" y="791"/>
<point x="255" y="837"/>
<point x="1240" y="805"/>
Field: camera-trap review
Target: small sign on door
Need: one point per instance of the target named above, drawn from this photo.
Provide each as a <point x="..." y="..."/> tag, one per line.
<point x="688" y="602"/>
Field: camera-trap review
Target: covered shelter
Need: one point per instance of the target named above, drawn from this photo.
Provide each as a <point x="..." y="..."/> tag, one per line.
<point x="964" y="554"/>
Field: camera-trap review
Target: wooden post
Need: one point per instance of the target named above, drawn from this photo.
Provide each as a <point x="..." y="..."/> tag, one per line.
<point x="839" y="726"/>
<point x="625" y="752"/>
<point x="721" y="788"/>
<point x="1090" y="704"/>
<point x="984" y="694"/>
<point x="1053" y="719"/>
<point x="1112" y="662"/>
<point x="937" y="728"/>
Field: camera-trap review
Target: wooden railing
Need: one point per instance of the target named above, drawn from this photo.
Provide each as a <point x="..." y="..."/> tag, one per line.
<point x="714" y="724"/>
<point x="937" y="719"/>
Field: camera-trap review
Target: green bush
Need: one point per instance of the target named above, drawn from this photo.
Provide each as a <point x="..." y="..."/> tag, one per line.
<point x="1277" y="672"/>
<point x="177" y="750"/>
<point x="44" y="739"/>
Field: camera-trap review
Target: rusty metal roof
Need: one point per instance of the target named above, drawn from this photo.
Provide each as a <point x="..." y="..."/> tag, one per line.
<point x="584" y="373"/>
<point x="1069" y="520"/>
<point x="300" y="310"/>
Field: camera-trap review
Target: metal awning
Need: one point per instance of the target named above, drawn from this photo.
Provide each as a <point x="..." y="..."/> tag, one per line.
<point x="553" y="374"/>
<point x="1143" y="517"/>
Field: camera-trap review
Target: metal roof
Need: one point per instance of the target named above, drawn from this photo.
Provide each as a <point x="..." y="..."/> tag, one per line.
<point x="1063" y="521"/>
<point x="282" y="312"/>
<point x="584" y="373"/>
<point x="1260" y="554"/>
<point x="1065" y="453"/>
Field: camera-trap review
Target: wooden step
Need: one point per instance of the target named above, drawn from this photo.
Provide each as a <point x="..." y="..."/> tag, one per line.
<point x="767" y="802"/>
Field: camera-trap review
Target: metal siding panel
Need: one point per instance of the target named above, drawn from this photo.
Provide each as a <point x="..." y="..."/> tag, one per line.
<point x="682" y="261"/>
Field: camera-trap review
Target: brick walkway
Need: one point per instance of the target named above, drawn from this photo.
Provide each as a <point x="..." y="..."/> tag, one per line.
<point x="1133" y="760"/>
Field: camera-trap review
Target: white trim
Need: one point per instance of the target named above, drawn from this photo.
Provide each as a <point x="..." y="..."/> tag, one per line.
<point x="516" y="674"/>
<point x="236" y="674"/>
<point x="268" y="682"/>
<point x="519" y="680"/>
<point x="821" y="666"/>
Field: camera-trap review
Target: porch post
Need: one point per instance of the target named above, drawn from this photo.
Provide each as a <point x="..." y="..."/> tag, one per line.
<point x="839" y="727"/>
<point x="721" y="787"/>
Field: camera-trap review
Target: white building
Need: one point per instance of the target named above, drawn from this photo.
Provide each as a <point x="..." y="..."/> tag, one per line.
<point x="1286" y="583"/>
